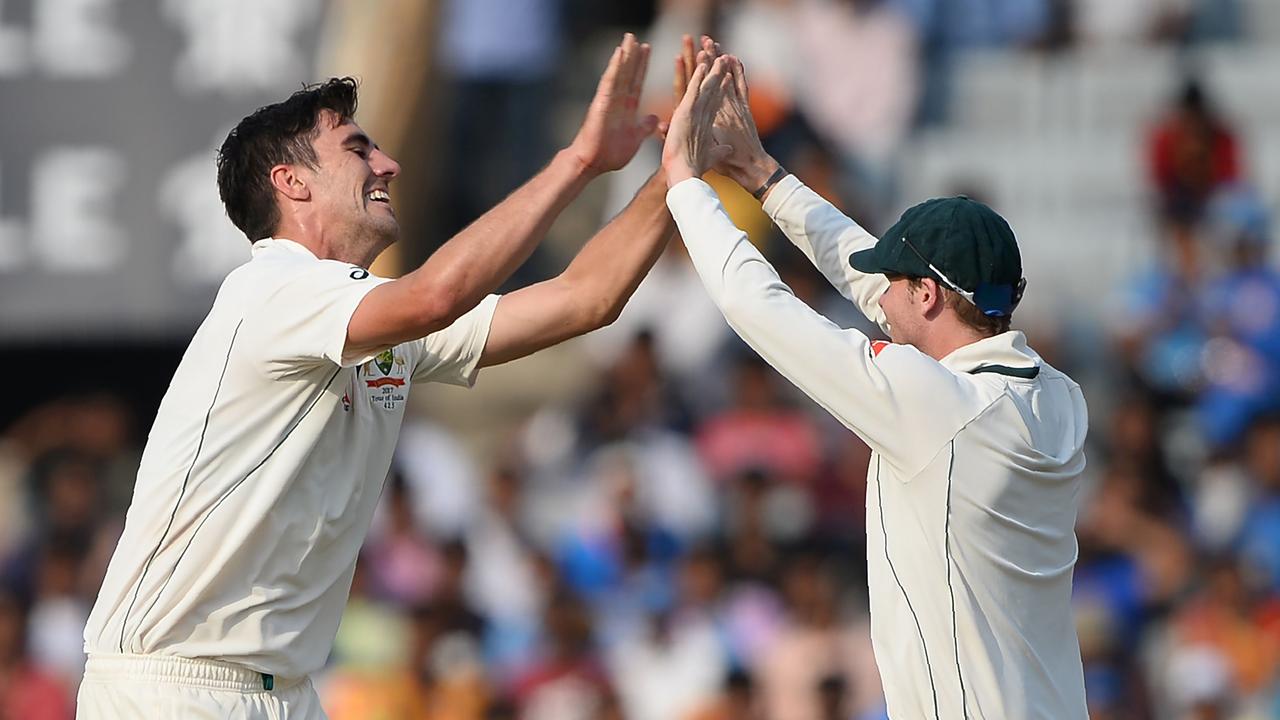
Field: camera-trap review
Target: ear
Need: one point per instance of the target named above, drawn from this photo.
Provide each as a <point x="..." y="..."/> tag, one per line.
<point x="286" y="180"/>
<point x="930" y="298"/>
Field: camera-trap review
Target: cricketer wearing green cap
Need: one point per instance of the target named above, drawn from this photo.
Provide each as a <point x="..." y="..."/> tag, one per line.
<point x="968" y="238"/>
<point x="977" y="442"/>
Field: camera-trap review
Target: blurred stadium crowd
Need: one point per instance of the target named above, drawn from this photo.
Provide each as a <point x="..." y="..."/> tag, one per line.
<point x="685" y="540"/>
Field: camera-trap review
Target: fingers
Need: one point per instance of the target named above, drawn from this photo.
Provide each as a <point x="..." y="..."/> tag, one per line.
<point x="627" y="70"/>
<point x="739" y="78"/>
<point x="623" y="79"/>
<point x="641" y="68"/>
<point x="609" y="79"/>
<point x="684" y="65"/>
<point x="711" y="47"/>
<point x="690" y="93"/>
<point x="695" y="83"/>
<point x="717" y="75"/>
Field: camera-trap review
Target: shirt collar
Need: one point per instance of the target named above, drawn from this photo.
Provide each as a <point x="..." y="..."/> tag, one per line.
<point x="266" y="244"/>
<point x="1003" y="354"/>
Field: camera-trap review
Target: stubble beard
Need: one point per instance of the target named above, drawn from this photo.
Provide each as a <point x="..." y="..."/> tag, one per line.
<point x="371" y="235"/>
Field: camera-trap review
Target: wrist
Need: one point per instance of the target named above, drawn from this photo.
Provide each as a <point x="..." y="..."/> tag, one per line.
<point x="677" y="172"/>
<point x="677" y="166"/>
<point x="756" y="172"/>
<point x="576" y="163"/>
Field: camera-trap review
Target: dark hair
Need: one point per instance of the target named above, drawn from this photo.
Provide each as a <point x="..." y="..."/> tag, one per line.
<point x="276" y="134"/>
<point x="969" y="313"/>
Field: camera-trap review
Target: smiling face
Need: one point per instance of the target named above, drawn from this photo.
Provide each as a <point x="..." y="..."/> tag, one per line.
<point x="350" y="187"/>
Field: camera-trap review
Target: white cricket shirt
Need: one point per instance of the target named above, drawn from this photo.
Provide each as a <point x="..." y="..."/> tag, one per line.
<point x="263" y="467"/>
<point x="973" y="484"/>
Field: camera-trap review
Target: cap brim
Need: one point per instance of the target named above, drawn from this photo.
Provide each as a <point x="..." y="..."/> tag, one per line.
<point x="865" y="261"/>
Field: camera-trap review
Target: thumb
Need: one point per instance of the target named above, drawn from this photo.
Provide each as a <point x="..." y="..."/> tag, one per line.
<point x="648" y="124"/>
<point x="663" y="128"/>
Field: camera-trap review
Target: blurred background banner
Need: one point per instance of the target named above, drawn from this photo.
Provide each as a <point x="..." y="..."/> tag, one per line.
<point x="650" y="523"/>
<point x="110" y="222"/>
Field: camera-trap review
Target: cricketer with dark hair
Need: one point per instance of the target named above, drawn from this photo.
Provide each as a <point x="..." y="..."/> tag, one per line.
<point x="269" y="451"/>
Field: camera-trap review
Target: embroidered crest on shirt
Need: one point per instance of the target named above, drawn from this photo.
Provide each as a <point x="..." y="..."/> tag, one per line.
<point x="385" y="379"/>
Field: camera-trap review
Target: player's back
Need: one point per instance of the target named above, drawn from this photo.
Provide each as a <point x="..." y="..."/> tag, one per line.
<point x="1013" y="549"/>
<point x="971" y="558"/>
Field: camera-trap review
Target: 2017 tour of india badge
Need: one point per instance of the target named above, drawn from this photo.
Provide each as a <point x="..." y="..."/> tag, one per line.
<point x="384" y="376"/>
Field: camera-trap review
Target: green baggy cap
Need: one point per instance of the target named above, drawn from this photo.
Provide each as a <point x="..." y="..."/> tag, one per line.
<point x="958" y="242"/>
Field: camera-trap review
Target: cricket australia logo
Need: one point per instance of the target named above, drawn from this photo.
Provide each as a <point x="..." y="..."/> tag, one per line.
<point x="384" y="377"/>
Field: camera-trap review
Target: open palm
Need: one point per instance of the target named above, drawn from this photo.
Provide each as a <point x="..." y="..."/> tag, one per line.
<point x="612" y="133"/>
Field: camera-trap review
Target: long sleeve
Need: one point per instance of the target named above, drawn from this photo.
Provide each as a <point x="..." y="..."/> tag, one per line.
<point x="894" y="397"/>
<point x="827" y="237"/>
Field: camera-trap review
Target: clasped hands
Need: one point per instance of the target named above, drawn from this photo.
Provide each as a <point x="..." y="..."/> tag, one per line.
<point x="712" y="127"/>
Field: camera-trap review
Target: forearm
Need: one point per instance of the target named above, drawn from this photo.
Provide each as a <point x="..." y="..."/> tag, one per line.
<point x="820" y="230"/>
<point x="876" y="392"/>
<point x="736" y="276"/>
<point x="609" y="268"/>
<point x="591" y="292"/>
<point x="829" y="364"/>
<point x="475" y="261"/>
<point x="827" y="237"/>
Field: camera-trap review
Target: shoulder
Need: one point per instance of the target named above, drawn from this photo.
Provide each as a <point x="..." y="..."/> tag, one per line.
<point x="948" y="397"/>
<point x="1049" y="373"/>
<point x="290" y="271"/>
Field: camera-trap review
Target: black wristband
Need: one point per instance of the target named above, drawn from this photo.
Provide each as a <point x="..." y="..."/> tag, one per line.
<point x="777" y="175"/>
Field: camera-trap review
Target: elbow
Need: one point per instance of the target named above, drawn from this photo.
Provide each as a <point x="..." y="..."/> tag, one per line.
<point x="731" y="308"/>
<point x="594" y="307"/>
<point x="740" y="314"/>
<point x="595" y="312"/>
<point x="607" y="314"/>
<point x="438" y="307"/>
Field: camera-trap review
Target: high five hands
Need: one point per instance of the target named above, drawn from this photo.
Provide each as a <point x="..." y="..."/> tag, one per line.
<point x="612" y="132"/>
<point x="712" y="127"/>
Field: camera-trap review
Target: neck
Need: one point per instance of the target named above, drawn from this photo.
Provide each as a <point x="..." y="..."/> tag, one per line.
<point x="330" y="245"/>
<point x="941" y="342"/>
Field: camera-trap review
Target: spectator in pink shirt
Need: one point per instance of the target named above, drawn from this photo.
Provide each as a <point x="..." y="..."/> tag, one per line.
<point x="27" y="692"/>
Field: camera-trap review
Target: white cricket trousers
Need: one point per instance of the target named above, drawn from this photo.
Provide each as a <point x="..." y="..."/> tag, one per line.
<point x="120" y="687"/>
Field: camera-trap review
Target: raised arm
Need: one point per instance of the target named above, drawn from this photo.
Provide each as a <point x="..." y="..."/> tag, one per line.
<point x="473" y="263"/>
<point x="592" y="291"/>
<point x="824" y="234"/>
<point x="827" y="237"/>
<point x="889" y="395"/>
<point x="877" y="391"/>
<point x="597" y="284"/>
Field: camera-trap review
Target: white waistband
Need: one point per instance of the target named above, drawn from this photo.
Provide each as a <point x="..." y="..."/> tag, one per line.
<point x="209" y="674"/>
